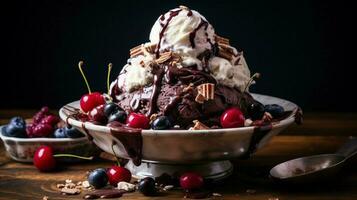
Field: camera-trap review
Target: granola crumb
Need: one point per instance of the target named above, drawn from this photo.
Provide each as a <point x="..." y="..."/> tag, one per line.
<point x="70" y="191"/>
<point x="45" y="198"/>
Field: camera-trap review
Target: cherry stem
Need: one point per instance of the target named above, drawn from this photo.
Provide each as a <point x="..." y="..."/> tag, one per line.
<point x="73" y="156"/>
<point x="255" y="76"/>
<point x="110" y="65"/>
<point x="80" y="65"/>
<point x="116" y="157"/>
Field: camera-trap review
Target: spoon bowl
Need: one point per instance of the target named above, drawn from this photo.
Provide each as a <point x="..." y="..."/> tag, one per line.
<point x="314" y="168"/>
<point x="307" y="169"/>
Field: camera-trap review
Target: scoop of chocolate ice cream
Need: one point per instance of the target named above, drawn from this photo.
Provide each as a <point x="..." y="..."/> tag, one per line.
<point x="177" y="98"/>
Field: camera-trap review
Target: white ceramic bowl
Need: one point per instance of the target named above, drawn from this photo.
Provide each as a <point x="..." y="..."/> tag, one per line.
<point x="189" y="146"/>
<point x="23" y="149"/>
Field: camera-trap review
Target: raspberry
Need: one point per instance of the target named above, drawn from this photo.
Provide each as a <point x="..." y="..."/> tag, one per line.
<point x="51" y="120"/>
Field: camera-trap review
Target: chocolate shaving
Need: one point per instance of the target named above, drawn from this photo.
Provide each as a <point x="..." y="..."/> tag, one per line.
<point x="164" y="57"/>
<point x="222" y="40"/>
<point x="200" y="98"/>
<point x="226" y="51"/>
<point x="142" y="49"/>
<point x="206" y="91"/>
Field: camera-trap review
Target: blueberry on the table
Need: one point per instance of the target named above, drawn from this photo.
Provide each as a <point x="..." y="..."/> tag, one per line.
<point x="161" y="123"/>
<point x="60" y="133"/>
<point x="72" y="132"/>
<point x="111" y="108"/>
<point x="16" y="128"/>
<point x="98" y="178"/>
<point x="119" y="116"/>
<point x="147" y="186"/>
<point x="256" y="110"/>
<point x="275" y="110"/>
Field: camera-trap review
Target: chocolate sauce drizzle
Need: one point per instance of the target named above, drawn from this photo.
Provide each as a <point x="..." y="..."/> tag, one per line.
<point x="130" y="138"/>
<point x="193" y="33"/>
<point x="172" y="14"/>
<point x="258" y="134"/>
<point x="155" y="91"/>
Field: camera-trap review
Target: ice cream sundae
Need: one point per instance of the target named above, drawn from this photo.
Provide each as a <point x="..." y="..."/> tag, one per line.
<point x="186" y="73"/>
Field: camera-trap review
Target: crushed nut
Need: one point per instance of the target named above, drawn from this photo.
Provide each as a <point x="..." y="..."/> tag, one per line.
<point x="199" y="126"/>
<point x="187" y="88"/>
<point x="273" y="198"/>
<point x="85" y="184"/>
<point x="153" y="117"/>
<point x="142" y="63"/>
<point x="126" y="186"/>
<point x="45" y="198"/>
<point x="267" y="117"/>
<point x="68" y="181"/>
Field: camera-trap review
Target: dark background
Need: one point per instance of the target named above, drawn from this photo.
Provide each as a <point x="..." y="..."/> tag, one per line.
<point x="300" y="47"/>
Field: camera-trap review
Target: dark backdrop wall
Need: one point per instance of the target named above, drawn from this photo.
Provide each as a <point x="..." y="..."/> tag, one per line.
<point x="300" y="47"/>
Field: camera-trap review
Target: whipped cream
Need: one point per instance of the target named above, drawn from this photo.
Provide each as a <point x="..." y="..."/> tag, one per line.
<point x="183" y="31"/>
<point x="136" y="73"/>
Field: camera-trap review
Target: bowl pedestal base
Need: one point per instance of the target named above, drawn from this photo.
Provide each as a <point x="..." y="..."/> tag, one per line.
<point x="216" y="170"/>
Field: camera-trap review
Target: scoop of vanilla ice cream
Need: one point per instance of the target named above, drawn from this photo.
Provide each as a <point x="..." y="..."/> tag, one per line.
<point x="183" y="31"/>
<point x="136" y="73"/>
<point x="229" y="74"/>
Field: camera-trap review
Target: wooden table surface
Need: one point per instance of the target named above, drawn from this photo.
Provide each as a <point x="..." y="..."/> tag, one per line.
<point x="320" y="133"/>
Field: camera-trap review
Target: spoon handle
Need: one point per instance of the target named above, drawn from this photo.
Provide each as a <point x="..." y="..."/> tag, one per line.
<point x="349" y="148"/>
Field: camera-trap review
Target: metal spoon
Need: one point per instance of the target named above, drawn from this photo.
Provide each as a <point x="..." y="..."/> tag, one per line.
<point x="314" y="168"/>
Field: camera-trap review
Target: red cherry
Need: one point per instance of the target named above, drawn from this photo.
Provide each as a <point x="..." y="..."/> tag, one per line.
<point x="137" y="120"/>
<point x="50" y="120"/>
<point x="90" y="101"/>
<point x="232" y="118"/>
<point x="191" y="180"/>
<point x="97" y="114"/>
<point x="43" y="159"/>
<point x="117" y="174"/>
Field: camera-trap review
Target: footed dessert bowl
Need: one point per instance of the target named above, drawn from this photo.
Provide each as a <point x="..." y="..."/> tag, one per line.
<point x="154" y="152"/>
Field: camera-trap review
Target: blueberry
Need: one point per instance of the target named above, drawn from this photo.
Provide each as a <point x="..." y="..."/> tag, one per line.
<point x="256" y="110"/>
<point x="98" y="178"/>
<point x="111" y="108"/>
<point x="16" y="128"/>
<point x="275" y="110"/>
<point x="147" y="186"/>
<point x="60" y="133"/>
<point x="72" y="132"/>
<point x="161" y="123"/>
<point x="119" y="116"/>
